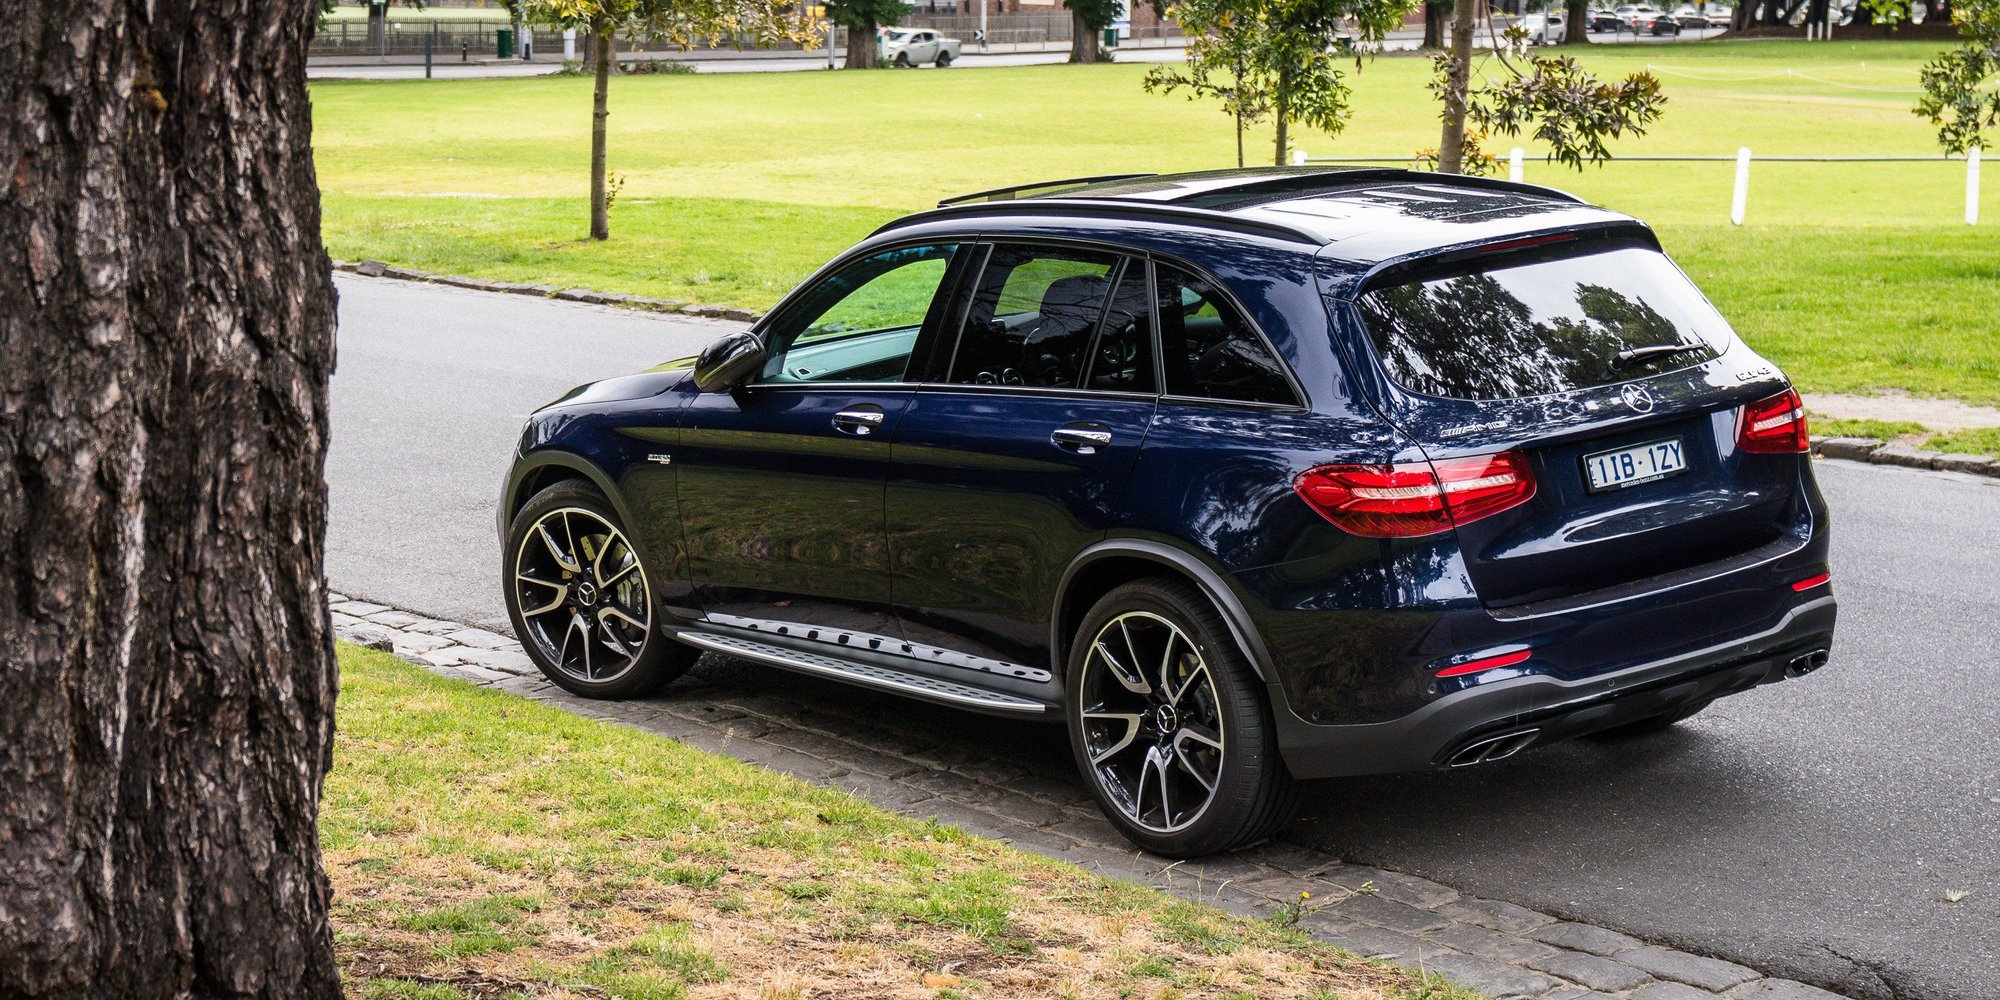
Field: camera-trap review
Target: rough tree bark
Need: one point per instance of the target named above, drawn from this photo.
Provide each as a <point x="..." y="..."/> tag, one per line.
<point x="861" y="47"/>
<point x="601" y="55"/>
<point x="1576" y="22"/>
<point x="166" y="335"/>
<point x="1084" y="45"/>
<point x="1451" y="145"/>
<point x="1434" y="19"/>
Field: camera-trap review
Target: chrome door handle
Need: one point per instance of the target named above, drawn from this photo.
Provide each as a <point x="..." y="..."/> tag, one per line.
<point x="1084" y="440"/>
<point x="858" y="421"/>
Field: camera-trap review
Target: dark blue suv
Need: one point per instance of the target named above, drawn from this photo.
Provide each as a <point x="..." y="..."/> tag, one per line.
<point x="1247" y="477"/>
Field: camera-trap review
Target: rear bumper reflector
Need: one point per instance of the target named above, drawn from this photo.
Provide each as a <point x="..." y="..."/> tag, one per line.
<point x="1817" y="580"/>
<point x="1486" y="663"/>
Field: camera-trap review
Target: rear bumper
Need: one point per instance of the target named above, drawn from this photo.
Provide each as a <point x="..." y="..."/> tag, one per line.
<point x="1500" y="718"/>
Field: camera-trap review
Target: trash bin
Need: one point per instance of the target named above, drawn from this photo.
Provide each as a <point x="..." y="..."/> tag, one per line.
<point x="504" y="42"/>
<point x="1111" y="38"/>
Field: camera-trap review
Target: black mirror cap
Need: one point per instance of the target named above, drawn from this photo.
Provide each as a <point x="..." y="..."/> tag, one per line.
<point x="728" y="362"/>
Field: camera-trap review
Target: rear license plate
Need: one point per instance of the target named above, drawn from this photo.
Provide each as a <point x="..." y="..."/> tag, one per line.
<point x="1611" y="470"/>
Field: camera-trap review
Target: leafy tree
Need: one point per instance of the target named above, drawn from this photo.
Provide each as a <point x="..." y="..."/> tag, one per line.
<point x="1563" y="104"/>
<point x="1219" y="57"/>
<point x="1087" y="21"/>
<point x="1283" y="61"/>
<point x="1962" y="85"/>
<point x="166" y="339"/>
<point x="862" y="18"/>
<point x="678" y="22"/>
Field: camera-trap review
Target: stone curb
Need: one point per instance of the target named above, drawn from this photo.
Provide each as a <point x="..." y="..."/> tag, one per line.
<point x="377" y="269"/>
<point x="1500" y="949"/>
<point x="1880" y="452"/>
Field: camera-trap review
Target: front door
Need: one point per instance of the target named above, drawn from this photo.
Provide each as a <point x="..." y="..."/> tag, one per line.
<point x="1012" y="458"/>
<point x="781" y="481"/>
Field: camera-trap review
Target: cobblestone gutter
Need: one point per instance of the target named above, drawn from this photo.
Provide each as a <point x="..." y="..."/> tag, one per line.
<point x="1500" y="949"/>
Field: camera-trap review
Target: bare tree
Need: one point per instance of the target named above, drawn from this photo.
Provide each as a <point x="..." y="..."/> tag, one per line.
<point x="166" y="336"/>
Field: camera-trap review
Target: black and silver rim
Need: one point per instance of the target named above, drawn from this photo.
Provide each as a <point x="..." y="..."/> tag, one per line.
<point x="1152" y="723"/>
<point x="582" y="595"/>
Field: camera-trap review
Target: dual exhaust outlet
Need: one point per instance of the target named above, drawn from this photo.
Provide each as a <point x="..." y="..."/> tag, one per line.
<point x="1806" y="663"/>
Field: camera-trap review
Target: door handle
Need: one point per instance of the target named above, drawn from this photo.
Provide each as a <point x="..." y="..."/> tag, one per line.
<point x="860" y="421"/>
<point x="1084" y="439"/>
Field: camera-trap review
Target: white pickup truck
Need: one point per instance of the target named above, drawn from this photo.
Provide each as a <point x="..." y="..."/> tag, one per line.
<point x="912" y="46"/>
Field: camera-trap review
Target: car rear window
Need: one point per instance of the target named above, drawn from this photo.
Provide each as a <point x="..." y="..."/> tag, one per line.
<point x="1545" y="324"/>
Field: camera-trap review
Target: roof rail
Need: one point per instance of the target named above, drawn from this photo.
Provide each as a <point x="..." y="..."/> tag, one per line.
<point x="1006" y="193"/>
<point x="1305" y="183"/>
<point x="1115" y="208"/>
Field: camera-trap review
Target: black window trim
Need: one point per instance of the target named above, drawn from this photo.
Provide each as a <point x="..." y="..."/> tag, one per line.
<point x="1299" y="396"/>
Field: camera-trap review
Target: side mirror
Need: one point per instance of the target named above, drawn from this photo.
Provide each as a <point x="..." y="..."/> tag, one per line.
<point x="728" y="362"/>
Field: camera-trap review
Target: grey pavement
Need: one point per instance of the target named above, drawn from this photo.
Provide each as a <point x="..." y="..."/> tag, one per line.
<point x="1808" y="831"/>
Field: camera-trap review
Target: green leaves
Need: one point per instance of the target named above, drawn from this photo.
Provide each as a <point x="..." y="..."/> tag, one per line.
<point x="1953" y="100"/>
<point x="685" y="23"/>
<point x="1557" y="101"/>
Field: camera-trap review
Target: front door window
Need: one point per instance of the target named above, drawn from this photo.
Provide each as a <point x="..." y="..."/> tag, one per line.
<point x="860" y="324"/>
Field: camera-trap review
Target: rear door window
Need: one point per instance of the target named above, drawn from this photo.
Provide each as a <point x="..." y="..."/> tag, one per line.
<point x="1540" y="325"/>
<point x="1210" y="349"/>
<point x="1033" y="317"/>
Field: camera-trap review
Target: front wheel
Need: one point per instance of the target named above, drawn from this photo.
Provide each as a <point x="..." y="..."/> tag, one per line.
<point x="1169" y="726"/>
<point x="902" y="60"/>
<point x="579" y="599"/>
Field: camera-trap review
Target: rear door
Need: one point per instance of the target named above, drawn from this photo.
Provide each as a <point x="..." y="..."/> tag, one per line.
<point x="1013" y="456"/>
<point x="1602" y="363"/>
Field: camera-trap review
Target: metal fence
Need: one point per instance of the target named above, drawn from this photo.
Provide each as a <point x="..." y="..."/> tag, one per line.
<point x="478" y="39"/>
<point x="1740" y="193"/>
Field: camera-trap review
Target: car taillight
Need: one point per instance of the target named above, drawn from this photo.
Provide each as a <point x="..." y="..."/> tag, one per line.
<point x="1410" y="499"/>
<point x="1774" y="426"/>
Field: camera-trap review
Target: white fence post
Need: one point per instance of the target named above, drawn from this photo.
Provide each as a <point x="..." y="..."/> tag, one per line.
<point x="1514" y="165"/>
<point x="1972" y="186"/>
<point x="1742" y="195"/>
<point x="1298" y="157"/>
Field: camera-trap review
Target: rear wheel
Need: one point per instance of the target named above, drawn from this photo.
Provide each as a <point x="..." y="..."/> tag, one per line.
<point x="1654" y="724"/>
<point x="580" y="601"/>
<point x="1169" y="726"/>
<point x="944" y="60"/>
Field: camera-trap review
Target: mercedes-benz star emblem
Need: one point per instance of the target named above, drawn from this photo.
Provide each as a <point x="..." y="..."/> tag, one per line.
<point x="1637" y="398"/>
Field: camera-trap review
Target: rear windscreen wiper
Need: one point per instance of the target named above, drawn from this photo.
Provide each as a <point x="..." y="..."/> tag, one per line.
<point x="1655" y="351"/>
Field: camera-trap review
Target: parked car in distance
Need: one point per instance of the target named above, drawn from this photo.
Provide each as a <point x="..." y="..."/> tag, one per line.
<point x="908" y="47"/>
<point x="1244" y="477"/>
<point x="1548" y="29"/>
<point x="1605" y="20"/>
<point x="1638" y="17"/>
<point x="1660" y="24"/>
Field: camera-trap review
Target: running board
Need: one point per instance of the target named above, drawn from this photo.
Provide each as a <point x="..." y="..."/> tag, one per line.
<point x="928" y="688"/>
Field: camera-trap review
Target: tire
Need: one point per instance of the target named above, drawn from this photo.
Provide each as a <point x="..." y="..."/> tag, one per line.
<point x="902" y="60"/>
<point x="944" y="60"/>
<point x="1146" y="764"/>
<point x="1654" y="724"/>
<point x="587" y="620"/>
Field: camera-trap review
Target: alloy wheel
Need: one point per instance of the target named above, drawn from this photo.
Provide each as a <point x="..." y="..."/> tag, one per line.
<point x="582" y="595"/>
<point x="1152" y="721"/>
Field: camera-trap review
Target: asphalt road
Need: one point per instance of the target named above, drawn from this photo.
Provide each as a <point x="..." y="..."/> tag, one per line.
<point x="1810" y="830"/>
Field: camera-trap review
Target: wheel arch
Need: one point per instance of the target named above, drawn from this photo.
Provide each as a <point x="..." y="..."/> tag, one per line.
<point x="543" y="469"/>
<point x="1110" y="563"/>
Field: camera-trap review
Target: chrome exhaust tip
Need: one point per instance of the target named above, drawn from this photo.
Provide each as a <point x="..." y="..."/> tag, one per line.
<point x="1493" y="748"/>
<point x="1806" y="663"/>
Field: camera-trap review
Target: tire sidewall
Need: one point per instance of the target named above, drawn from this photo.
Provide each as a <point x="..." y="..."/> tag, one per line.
<point x="1248" y="750"/>
<point x="659" y="660"/>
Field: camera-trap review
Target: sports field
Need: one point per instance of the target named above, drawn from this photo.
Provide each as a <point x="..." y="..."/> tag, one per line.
<point x="1856" y="277"/>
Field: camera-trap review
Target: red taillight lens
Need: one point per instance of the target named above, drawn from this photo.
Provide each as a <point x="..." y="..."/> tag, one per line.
<point x="1774" y="426"/>
<point x="1416" y="498"/>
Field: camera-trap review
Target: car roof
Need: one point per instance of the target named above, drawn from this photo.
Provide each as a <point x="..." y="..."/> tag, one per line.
<point x="1355" y="213"/>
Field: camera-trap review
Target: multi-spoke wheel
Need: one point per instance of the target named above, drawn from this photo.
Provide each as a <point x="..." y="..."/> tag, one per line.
<point x="1168" y="724"/>
<point x="579" y="598"/>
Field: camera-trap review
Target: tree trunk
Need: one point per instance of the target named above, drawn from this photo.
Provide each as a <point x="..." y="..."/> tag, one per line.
<point x="861" y="47"/>
<point x="1576" y="22"/>
<point x="600" y="109"/>
<point x="166" y="336"/>
<point x="1239" y="140"/>
<point x="1451" y="145"/>
<point x="1083" y="42"/>
<point x="1282" y="111"/>
<point x="1434" y="19"/>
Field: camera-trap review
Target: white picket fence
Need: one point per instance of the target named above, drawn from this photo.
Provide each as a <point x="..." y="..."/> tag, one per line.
<point x="1739" y="199"/>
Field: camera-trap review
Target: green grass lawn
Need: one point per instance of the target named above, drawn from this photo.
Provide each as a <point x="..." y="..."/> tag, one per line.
<point x="1853" y="276"/>
<point x="482" y="845"/>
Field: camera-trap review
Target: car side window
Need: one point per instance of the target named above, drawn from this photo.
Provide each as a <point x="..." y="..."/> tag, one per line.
<point x="1032" y="317"/>
<point x="1122" y="361"/>
<point x="861" y="323"/>
<point x="1209" y="348"/>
